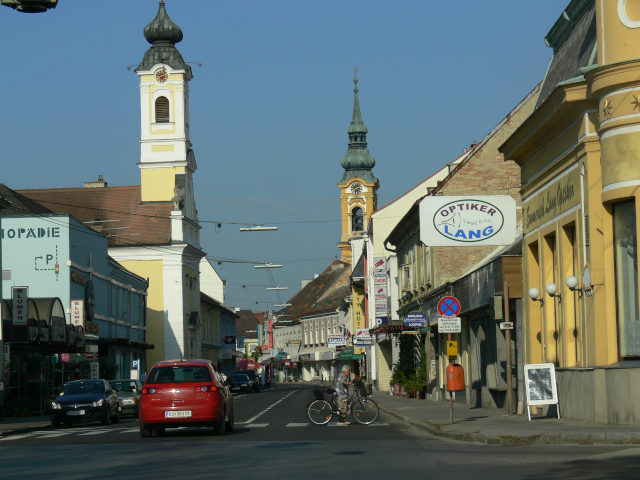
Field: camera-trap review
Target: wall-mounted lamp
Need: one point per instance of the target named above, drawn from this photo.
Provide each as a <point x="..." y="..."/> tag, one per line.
<point x="552" y="290"/>
<point x="534" y="293"/>
<point x="572" y="283"/>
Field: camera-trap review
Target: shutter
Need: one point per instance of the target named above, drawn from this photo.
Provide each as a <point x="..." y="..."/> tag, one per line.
<point x="162" y="110"/>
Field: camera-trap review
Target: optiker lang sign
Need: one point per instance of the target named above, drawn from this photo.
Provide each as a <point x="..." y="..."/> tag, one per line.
<point x="471" y="221"/>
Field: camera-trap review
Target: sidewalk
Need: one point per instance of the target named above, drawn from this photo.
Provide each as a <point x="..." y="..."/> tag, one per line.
<point x="495" y="427"/>
<point x="14" y="425"/>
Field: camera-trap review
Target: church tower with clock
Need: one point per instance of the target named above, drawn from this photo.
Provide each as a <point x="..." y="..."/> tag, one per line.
<point x="358" y="185"/>
<point x="167" y="161"/>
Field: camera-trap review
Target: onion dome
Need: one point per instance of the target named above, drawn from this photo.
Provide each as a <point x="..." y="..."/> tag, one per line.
<point x="163" y="35"/>
<point x="162" y="29"/>
<point x="357" y="162"/>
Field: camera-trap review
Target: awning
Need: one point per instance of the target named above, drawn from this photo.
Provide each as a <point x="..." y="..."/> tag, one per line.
<point x="348" y="354"/>
<point x="248" y="364"/>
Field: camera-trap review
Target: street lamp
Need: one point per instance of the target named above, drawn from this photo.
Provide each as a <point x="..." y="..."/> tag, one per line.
<point x="267" y="265"/>
<point x="277" y="288"/>
<point x="257" y="228"/>
<point x="30" y="6"/>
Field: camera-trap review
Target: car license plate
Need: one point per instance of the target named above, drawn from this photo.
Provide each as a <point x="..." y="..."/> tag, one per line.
<point x="76" y="412"/>
<point x="178" y="414"/>
<point x="127" y="401"/>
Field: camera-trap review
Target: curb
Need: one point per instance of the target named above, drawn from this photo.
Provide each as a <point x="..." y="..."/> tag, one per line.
<point x="512" y="440"/>
<point x="29" y="429"/>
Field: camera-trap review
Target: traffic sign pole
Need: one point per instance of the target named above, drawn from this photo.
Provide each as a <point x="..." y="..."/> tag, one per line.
<point x="508" y="339"/>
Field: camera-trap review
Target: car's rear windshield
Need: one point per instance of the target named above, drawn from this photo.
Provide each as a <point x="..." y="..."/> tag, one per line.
<point x="179" y="374"/>
<point x="123" y="385"/>
<point x="251" y="373"/>
<point x="240" y="378"/>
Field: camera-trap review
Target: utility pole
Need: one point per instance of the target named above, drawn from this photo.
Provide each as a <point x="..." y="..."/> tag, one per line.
<point x="508" y="340"/>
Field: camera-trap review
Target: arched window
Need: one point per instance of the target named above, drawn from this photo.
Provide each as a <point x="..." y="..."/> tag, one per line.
<point x="162" y="110"/>
<point x="356" y="220"/>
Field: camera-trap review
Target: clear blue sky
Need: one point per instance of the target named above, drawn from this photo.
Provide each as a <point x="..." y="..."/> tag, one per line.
<point x="269" y="107"/>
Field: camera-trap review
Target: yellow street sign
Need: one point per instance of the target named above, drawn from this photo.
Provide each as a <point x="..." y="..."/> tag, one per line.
<point x="452" y="348"/>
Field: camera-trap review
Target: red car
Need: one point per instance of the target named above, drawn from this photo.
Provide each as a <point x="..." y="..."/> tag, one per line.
<point x="185" y="393"/>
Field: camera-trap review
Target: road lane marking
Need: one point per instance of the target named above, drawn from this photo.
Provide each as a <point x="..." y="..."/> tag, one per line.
<point x="297" y="424"/>
<point x="131" y="430"/>
<point x="96" y="432"/>
<point x="270" y="407"/>
<point x="13" y="437"/>
<point x="257" y="425"/>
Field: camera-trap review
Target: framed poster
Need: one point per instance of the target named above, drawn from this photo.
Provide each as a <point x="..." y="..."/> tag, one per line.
<point x="541" y="388"/>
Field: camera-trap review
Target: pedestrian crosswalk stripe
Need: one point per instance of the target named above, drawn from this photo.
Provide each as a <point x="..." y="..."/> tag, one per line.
<point x="297" y="424"/>
<point x="13" y="437"/>
<point x="257" y="425"/>
<point x="130" y="430"/>
<point x="95" y="432"/>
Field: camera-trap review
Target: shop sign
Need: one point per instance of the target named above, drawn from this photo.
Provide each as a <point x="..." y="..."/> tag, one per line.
<point x="305" y="357"/>
<point x="380" y="293"/>
<point x="19" y="296"/>
<point x="381" y="307"/>
<point x="294" y="342"/>
<point x="92" y="327"/>
<point x="95" y="370"/>
<point x="77" y="313"/>
<point x="229" y="340"/>
<point x="224" y="354"/>
<point x="335" y="339"/>
<point x="379" y="278"/>
<point x="78" y="278"/>
<point x="363" y="336"/>
<point x="90" y="298"/>
<point x="415" y="320"/>
<point x="380" y="263"/>
<point x="473" y="221"/>
<point x="553" y="200"/>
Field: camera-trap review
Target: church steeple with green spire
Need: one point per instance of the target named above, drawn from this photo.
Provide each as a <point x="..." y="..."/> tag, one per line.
<point x="358" y="185"/>
<point x="357" y="162"/>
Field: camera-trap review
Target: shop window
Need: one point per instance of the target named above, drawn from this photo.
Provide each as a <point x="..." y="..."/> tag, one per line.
<point x="626" y="265"/>
<point x="162" y="110"/>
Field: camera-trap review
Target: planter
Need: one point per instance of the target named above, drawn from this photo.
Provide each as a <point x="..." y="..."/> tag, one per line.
<point x="403" y="392"/>
<point x="422" y="395"/>
<point x="396" y="389"/>
<point x="411" y="394"/>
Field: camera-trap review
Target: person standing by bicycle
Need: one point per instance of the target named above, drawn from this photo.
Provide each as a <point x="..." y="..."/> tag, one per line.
<point x="342" y="390"/>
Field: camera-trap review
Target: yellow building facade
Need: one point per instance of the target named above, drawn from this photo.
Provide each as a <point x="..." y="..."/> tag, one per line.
<point x="578" y="154"/>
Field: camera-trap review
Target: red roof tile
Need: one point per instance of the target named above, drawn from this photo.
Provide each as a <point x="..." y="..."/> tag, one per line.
<point x="125" y="220"/>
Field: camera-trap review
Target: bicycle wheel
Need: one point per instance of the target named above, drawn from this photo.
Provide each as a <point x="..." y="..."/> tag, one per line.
<point x="320" y="412"/>
<point x="365" y="411"/>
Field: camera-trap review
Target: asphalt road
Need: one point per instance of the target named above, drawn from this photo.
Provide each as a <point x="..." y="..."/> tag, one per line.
<point x="273" y="439"/>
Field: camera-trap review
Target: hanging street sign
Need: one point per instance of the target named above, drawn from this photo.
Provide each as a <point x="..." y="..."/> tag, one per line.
<point x="415" y="320"/>
<point x="449" y="307"/>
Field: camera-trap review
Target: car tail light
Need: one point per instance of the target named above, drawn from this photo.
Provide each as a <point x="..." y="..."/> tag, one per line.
<point x="206" y="388"/>
<point x="147" y="390"/>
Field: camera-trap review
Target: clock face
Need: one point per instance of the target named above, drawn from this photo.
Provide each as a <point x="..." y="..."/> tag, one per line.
<point x="356" y="188"/>
<point x="162" y="75"/>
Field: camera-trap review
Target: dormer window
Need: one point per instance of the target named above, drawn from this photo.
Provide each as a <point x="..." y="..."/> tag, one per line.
<point x="162" y="110"/>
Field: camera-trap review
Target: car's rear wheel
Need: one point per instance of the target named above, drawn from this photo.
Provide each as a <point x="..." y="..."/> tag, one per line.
<point x="231" y="422"/>
<point x="145" y="432"/>
<point x="220" y="427"/>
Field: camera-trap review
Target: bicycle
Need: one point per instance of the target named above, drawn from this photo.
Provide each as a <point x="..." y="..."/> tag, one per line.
<point x="324" y="407"/>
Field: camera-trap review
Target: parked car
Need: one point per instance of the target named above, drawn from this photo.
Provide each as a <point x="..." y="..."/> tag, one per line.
<point x="128" y="392"/>
<point x="240" y="382"/>
<point x="85" y="400"/>
<point x="185" y="393"/>
<point x="254" y="378"/>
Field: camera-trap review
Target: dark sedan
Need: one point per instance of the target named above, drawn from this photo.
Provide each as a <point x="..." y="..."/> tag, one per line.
<point x="128" y="392"/>
<point x="253" y="376"/>
<point x="85" y="400"/>
<point x="240" y="382"/>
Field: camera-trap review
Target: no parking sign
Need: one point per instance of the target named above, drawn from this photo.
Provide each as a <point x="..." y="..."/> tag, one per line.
<point x="449" y="307"/>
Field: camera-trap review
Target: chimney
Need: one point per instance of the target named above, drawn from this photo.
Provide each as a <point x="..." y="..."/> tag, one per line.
<point x="100" y="183"/>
